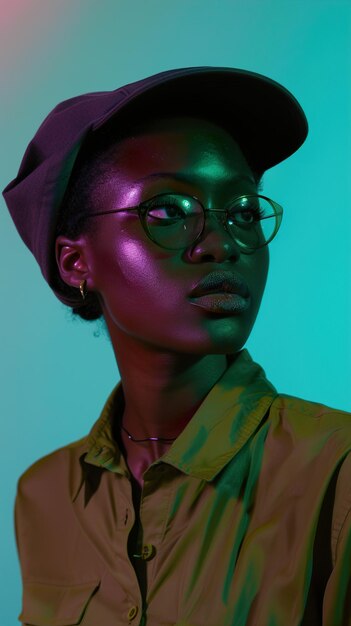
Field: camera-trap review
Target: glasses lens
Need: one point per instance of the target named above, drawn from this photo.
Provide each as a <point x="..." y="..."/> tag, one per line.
<point x="174" y="220"/>
<point x="252" y="221"/>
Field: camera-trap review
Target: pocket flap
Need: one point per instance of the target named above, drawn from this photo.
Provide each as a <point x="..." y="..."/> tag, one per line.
<point x="45" y="604"/>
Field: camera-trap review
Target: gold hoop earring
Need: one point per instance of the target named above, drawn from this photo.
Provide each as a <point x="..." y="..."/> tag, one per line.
<point x="83" y="288"/>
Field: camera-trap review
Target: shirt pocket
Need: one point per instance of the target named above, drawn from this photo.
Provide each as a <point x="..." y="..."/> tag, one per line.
<point x="45" y="604"/>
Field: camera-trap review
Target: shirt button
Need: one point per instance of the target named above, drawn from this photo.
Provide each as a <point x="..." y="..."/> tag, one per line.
<point x="148" y="552"/>
<point x="132" y="613"/>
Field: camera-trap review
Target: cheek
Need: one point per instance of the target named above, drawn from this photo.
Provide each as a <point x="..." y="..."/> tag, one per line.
<point x="135" y="279"/>
<point x="139" y="269"/>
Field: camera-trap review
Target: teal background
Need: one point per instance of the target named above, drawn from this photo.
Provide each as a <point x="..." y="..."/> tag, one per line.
<point x="55" y="373"/>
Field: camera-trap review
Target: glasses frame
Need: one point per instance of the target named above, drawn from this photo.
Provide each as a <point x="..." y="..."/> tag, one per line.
<point x="142" y="212"/>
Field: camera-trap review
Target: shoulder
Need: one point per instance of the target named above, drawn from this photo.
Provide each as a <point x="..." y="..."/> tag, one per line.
<point x="308" y="417"/>
<point x="294" y="404"/>
<point x="51" y="469"/>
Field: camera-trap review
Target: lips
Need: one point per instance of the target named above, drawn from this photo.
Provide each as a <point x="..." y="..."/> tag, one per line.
<point x="221" y="282"/>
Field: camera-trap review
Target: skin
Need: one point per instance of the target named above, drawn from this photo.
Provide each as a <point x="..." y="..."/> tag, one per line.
<point x="169" y="353"/>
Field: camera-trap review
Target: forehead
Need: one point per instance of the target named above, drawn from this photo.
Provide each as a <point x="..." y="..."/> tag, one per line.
<point x="179" y="130"/>
<point x="176" y="143"/>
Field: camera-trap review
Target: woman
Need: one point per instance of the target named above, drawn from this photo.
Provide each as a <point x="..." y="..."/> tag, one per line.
<point x="201" y="495"/>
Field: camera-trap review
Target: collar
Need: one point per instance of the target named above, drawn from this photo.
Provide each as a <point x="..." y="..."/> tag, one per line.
<point x="222" y="424"/>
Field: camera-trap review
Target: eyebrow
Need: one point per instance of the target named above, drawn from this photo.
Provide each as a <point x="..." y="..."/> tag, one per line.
<point x="189" y="179"/>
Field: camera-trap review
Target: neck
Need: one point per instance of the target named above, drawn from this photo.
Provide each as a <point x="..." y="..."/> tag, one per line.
<point x="160" y="396"/>
<point x="162" y="390"/>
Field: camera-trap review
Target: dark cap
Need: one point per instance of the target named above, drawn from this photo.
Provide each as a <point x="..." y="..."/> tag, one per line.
<point x="266" y="119"/>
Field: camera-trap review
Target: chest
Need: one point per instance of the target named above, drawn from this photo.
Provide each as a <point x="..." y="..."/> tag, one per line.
<point x="237" y="541"/>
<point x="188" y="540"/>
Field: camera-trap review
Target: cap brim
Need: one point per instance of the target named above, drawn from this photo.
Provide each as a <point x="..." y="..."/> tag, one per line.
<point x="264" y="117"/>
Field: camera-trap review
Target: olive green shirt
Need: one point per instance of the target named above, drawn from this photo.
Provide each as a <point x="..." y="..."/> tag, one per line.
<point x="245" y="521"/>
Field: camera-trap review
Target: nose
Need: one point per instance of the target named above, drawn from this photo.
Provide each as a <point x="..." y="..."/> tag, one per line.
<point x="215" y="243"/>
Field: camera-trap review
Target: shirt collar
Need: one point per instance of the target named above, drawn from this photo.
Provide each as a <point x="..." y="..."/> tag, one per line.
<point x="228" y="416"/>
<point x="222" y="424"/>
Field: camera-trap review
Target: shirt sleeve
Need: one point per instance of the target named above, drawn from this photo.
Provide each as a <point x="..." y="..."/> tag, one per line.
<point x="337" y="597"/>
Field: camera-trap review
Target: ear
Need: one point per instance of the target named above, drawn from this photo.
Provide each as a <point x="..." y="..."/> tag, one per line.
<point x="71" y="257"/>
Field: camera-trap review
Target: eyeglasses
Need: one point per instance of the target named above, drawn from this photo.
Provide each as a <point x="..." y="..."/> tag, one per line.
<point x="175" y="221"/>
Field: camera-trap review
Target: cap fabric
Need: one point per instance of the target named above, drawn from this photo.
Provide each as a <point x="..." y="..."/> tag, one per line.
<point x="266" y="119"/>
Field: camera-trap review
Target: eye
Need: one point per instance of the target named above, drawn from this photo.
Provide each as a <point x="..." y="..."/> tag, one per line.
<point x="246" y="211"/>
<point x="168" y="208"/>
